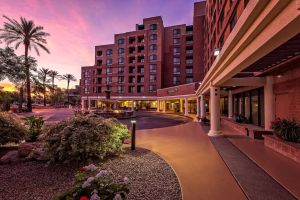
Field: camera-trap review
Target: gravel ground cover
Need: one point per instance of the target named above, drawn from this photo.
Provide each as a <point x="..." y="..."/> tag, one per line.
<point x="150" y="178"/>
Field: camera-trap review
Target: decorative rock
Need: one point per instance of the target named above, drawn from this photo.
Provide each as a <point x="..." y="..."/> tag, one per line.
<point x="10" y="157"/>
<point x="39" y="154"/>
<point x="26" y="148"/>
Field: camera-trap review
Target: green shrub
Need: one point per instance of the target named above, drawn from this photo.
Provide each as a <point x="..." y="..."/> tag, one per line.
<point x="35" y="125"/>
<point x="84" y="138"/>
<point x="11" y="128"/>
<point x="288" y="130"/>
<point x="93" y="183"/>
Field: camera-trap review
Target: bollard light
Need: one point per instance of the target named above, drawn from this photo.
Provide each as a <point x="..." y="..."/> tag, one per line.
<point x="133" y="125"/>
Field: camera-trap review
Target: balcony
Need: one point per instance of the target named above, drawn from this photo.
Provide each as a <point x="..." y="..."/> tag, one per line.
<point x="189" y="42"/>
<point x="189" y="52"/>
<point x="189" y="61"/>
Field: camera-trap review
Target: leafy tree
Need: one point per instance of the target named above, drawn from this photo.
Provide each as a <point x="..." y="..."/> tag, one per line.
<point x="8" y="59"/>
<point x="31" y="36"/>
<point x="43" y="74"/>
<point x="69" y="78"/>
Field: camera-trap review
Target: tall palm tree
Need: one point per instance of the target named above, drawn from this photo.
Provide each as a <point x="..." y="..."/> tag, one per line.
<point x="42" y="76"/>
<point x="31" y="36"/>
<point x="69" y="78"/>
<point x="54" y="75"/>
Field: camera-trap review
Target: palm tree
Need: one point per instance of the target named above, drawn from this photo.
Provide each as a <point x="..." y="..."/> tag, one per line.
<point x="31" y="36"/>
<point x="42" y="76"/>
<point x="54" y="75"/>
<point x="69" y="78"/>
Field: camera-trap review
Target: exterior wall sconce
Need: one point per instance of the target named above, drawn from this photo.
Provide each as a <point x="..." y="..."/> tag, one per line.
<point x="217" y="51"/>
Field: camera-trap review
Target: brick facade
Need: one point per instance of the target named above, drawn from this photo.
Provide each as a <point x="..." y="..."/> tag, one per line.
<point x="140" y="62"/>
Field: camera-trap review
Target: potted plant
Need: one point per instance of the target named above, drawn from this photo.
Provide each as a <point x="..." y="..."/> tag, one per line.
<point x="288" y="130"/>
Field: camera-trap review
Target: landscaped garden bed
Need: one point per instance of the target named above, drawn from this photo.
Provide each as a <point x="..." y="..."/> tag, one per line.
<point x="150" y="177"/>
<point x="286" y="139"/>
<point x="46" y="162"/>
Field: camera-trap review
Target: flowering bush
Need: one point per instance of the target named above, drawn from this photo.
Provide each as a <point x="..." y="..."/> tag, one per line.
<point x="84" y="138"/>
<point x="288" y="130"/>
<point x="94" y="184"/>
<point x="11" y="128"/>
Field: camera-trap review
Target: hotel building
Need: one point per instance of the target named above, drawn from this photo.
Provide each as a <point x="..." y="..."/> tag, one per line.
<point x="148" y="64"/>
<point x="240" y="57"/>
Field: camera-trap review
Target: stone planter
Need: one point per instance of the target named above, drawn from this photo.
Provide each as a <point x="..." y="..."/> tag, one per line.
<point x="288" y="149"/>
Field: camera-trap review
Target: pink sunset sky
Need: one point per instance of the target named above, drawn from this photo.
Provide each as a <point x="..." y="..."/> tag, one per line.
<point x="76" y="26"/>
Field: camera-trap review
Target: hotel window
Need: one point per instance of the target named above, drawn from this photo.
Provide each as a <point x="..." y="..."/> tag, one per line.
<point x="109" y="62"/>
<point x="140" y="89"/>
<point x="120" y="70"/>
<point x="176" y="60"/>
<point x="189" y="79"/>
<point x="140" y="79"/>
<point x="86" y="90"/>
<point x="152" y="58"/>
<point x="121" y="89"/>
<point x="99" y="89"/>
<point x="131" y="70"/>
<point x="99" y="80"/>
<point x="176" y="80"/>
<point x="176" y="70"/>
<point x="108" y="80"/>
<point x="131" y="89"/>
<point x="121" y="60"/>
<point x="176" y="41"/>
<point x="152" y="47"/>
<point x="153" y="37"/>
<point x="221" y="19"/>
<point x="140" y="69"/>
<point x="131" y="79"/>
<point x="99" y="62"/>
<point x="152" y="78"/>
<point x="176" y="31"/>
<point x="99" y="53"/>
<point x="99" y="71"/>
<point x="109" y="52"/>
<point x="121" y="79"/>
<point x="152" y="68"/>
<point x="121" y="51"/>
<point x="189" y="70"/>
<point x="152" y="88"/>
<point x="153" y="27"/>
<point x="121" y="41"/>
<point x="176" y="50"/>
<point x="109" y="71"/>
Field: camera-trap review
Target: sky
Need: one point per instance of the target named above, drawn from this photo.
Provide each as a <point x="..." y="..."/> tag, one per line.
<point x="77" y="26"/>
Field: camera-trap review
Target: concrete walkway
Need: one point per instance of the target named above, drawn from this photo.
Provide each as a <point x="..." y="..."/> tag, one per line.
<point x="282" y="169"/>
<point x="201" y="171"/>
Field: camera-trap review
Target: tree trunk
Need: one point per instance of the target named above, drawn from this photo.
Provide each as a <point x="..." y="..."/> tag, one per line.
<point x="44" y="94"/>
<point x="21" y="94"/>
<point x="68" y="92"/>
<point x="29" y="106"/>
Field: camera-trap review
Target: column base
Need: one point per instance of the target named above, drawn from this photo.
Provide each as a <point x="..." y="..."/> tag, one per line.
<point x="213" y="133"/>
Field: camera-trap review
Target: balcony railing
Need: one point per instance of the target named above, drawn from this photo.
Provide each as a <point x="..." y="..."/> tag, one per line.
<point x="189" y="42"/>
<point x="189" y="51"/>
<point x="189" y="62"/>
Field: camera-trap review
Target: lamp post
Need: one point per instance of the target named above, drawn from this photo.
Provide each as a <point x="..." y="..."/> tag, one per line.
<point x="133" y="125"/>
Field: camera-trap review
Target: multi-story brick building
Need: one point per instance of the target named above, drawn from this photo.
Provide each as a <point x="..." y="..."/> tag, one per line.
<point x="143" y="62"/>
<point x="240" y="57"/>
<point x="251" y="57"/>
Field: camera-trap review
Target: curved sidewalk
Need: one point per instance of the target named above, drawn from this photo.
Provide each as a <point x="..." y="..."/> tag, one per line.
<point x="201" y="171"/>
